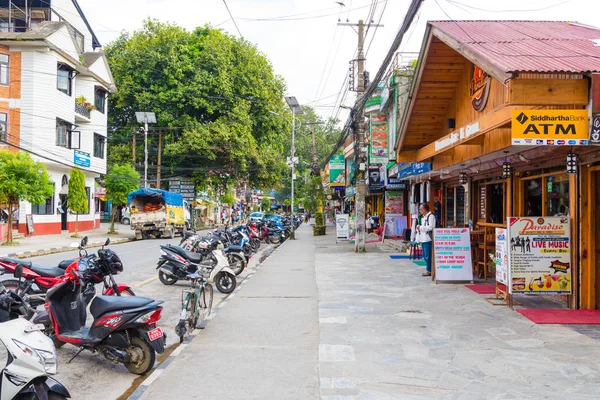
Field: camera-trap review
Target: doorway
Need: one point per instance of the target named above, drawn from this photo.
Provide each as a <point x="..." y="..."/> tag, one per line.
<point x="64" y="203"/>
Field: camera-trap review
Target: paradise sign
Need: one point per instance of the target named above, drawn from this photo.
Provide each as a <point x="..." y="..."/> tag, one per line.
<point x="540" y="255"/>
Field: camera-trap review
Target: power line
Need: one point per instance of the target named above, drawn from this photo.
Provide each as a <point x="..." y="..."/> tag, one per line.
<point x="232" y="19"/>
<point x="454" y="2"/>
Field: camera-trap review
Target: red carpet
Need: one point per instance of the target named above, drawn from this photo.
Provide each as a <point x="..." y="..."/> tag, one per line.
<point x="485" y="288"/>
<point x="567" y="317"/>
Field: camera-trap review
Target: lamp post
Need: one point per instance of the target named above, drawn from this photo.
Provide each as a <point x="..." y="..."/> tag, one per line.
<point x="146" y="118"/>
<point x="296" y="109"/>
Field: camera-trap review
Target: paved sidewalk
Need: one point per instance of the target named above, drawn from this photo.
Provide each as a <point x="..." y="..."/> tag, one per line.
<point x="49" y="244"/>
<point x="262" y="343"/>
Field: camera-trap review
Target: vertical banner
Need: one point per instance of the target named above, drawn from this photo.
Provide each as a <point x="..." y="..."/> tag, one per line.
<point x="375" y="182"/>
<point x="540" y="255"/>
<point x="337" y="165"/>
<point x="342" y="227"/>
<point x="502" y="256"/>
<point x="452" y="252"/>
<point x="379" y="139"/>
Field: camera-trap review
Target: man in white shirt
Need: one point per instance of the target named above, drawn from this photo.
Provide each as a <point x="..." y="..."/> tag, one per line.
<point x="425" y="235"/>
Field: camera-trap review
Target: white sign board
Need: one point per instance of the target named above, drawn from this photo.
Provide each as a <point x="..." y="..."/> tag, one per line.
<point x="540" y="255"/>
<point x="502" y="256"/>
<point x="452" y="252"/>
<point x="342" y="224"/>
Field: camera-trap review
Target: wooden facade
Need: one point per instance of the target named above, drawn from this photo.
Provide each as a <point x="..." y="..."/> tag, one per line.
<point x="443" y="127"/>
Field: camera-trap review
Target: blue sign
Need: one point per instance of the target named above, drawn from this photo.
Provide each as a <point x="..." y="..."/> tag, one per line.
<point x="82" y="159"/>
<point x="405" y="170"/>
<point x="393" y="183"/>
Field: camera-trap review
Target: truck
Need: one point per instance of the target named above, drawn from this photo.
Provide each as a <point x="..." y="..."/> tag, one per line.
<point x="157" y="212"/>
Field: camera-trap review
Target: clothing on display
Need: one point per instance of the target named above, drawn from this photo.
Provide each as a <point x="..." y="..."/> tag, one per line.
<point x="427" y="191"/>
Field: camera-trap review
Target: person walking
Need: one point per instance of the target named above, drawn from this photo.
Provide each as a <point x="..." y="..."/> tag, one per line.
<point x="425" y="235"/>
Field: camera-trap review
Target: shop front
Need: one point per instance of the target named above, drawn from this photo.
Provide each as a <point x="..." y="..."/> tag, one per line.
<point x="506" y="138"/>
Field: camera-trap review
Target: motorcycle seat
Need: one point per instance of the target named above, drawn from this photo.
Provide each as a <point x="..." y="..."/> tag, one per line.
<point x="47" y="271"/>
<point x="24" y="263"/>
<point x="64" y="264"/>
<point x="104" y="304"/>
<point x="233" y="248"/>
<point x="189" y="255"/>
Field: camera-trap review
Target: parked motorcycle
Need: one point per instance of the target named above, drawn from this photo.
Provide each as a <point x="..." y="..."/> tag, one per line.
<point x="32" y="356"/>
<point x="204" y="246"/>
<point x="123" y="330"/>
<point x="176" y="264"/>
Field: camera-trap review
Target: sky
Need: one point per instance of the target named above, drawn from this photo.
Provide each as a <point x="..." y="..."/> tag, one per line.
<point x="302" y="38"/>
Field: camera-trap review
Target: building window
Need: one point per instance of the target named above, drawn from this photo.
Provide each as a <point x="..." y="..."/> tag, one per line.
<point x="3" y="127"/>
<point x="47" y="208"/>
<point x="78" y="36"/>
<point x="100" y="99"/>
<point x="65" y="78"/>
<point x="4" y="69"/>
<point x="557" y="202"/>
<point x="62" y="133"/>
<point x="99" y="142"/>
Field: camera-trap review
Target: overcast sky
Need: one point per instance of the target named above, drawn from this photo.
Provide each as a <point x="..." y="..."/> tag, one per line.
<point x="304" y="42"/>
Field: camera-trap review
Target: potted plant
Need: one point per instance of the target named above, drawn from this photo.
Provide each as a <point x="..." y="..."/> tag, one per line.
<point x="82" y="101"/>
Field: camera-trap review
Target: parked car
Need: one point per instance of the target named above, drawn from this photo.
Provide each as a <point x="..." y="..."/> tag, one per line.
<point x="272" y="217"/>
<point x="256" y="216"/>
<point x="126" y="218"/>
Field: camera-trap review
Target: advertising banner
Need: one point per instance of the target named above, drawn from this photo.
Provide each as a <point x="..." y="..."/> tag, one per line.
<point x="550" y="127"/>
<point x="452" y="252"/>
<point x="337" y="165"/>
<point x="342" y="226"/>
<point x="394" y="203"/>
<point x="540" y="255"/>
<point x="375" y="181"/>
<point x="378" y="128"/>
<point x="502" y="256"/>
<point x="82" y="159"/>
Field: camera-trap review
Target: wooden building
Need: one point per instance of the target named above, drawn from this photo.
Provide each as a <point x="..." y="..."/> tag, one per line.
<point x="490" y="96"/>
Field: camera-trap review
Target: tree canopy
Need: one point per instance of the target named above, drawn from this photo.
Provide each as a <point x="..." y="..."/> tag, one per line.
<point x="78" y="199"/>
<point x="22" y="178"/>
<point x="120" y="181"/>
<point x="214" y="96"/>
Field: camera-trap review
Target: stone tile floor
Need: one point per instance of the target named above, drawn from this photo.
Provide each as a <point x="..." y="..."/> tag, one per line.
<point x="388" y="333"/>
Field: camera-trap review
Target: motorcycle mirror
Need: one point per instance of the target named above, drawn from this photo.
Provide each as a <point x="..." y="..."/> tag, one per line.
<point x="84" y="241"/>
<point x="18" y="272"/>
<point x="107" y="242"/>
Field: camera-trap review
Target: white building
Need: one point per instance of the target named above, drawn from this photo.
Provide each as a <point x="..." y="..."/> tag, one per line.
<point x="54" y="79"/>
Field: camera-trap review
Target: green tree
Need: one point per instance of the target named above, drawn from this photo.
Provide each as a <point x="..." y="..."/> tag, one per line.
<point x="213" y="95"/>
<point x="78" y="200"/>
<point x="120" y="181"/>
<point x="265" y="204"/>
<point x="22" y="178"/>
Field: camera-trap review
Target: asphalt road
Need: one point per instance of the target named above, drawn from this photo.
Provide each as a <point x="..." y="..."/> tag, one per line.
<point x="90" y="376"/>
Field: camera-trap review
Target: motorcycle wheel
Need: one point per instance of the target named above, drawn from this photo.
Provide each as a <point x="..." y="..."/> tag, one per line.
<point x="273" y="239"/>
<point x="13" y="285"/>
<point x="166" y="279"/>
<point x="142" y="354"/>
<point x="256" y="244"/>
<point x="49" y="331"/>
<point x="236" y="262"/>
<point x="225" y="283"/>
<point x="204" y="305"/>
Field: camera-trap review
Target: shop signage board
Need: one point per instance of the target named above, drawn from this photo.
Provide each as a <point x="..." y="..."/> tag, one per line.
<point x="82" y="159"/>
<point x="452" y="252"/>
<point x="378" y="146"/>
<point x="405" y="170"/>
<point x="595" y="132"/>
<point x="395" y="184"/>
<point x="337" y="165"/>
<point x="350" y="191"/>
<point x="479" y="88"/>
<point x="394" y="203"/>
<point x="375" y="181"/>
<point x="502" y="272"/>
<point x="183" y="186"/>
<point x="540" y="255"/>
<point x="550" y="127"/>
<point x="342" y="226"/>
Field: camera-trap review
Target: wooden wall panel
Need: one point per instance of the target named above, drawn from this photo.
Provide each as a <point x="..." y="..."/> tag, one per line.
<point x="548" y="91"/>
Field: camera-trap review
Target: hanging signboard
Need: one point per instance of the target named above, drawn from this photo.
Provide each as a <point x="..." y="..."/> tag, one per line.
<point x="342" y="227"/>
<point x="379" y="139"/>
<point x="452" y="252"/>
<point x="595" y="132"/>
<point x="82" y="159"/>
<point x="375" y="181"/>
<point x="540" y="255"/>
<point x="501" y="256"/>
<point x="550" y="127"/>
<point x="337" y="165"/>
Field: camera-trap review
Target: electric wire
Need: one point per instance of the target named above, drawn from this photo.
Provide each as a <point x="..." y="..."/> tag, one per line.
<point x="233" y="19"/>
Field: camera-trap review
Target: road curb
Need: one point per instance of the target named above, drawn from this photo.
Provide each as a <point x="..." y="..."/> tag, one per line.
<point x="141" y="389"/>
<point x="54" y="250"/>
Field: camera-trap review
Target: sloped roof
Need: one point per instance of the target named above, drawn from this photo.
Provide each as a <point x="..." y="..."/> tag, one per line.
<point x="525" y="46"/>
<point x="41" y="32"/>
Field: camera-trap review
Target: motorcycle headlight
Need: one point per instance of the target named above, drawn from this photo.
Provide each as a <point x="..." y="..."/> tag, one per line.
<point x="47" y="358"/>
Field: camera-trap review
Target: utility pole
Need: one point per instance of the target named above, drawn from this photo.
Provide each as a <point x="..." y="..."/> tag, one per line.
<point x="134" y="146"/>
<point x="145" y="117"/>
<point x="160" y="144"/>
<point x="360" y="153"/>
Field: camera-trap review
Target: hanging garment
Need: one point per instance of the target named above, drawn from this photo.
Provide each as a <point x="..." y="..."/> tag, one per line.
<point x="427" y="191"/>
<point x="412" y="193"/>
<point x="422" y="199"/>
<point x="413" y="231"/>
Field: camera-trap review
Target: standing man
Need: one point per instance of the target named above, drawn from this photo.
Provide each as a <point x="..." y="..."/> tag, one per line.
<point x="425" y="235"/>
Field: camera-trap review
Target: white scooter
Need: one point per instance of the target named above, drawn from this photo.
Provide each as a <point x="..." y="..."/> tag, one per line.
<point x="31" y="358"/>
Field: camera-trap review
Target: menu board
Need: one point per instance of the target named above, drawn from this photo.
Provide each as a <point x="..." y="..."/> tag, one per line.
<point x="379" y="139"/>
<point x="540" y="255"/>
<point x="482" y="197"/>
<point x="394" y="203"/>
<point x="502" y="256"/>
<point x="452" y="252"/>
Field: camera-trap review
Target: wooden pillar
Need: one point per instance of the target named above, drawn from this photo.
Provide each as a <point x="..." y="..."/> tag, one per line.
<point x="509" y="199"/>
<point x="574" y="217"/>
<point x="587" y="256"/>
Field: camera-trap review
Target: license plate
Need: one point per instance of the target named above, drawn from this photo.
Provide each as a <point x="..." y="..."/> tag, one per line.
<point x="154" y="334"/>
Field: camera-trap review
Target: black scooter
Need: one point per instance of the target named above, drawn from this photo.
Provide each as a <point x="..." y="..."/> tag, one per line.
<point x="124" y="328"/>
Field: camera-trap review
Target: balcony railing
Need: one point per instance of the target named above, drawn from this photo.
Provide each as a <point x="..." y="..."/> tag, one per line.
<point x="82" y="110"/>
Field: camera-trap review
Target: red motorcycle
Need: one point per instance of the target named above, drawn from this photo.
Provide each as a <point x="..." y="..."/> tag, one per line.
<point x="258" y="231"/>
<point x="37" y="279"/>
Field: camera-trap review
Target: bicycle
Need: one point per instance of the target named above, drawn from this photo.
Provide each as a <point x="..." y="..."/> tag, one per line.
<point x="196" y="305"/>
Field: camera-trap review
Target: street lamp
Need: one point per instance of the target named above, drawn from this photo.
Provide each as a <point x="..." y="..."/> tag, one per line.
<point x="146" y="118"/>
